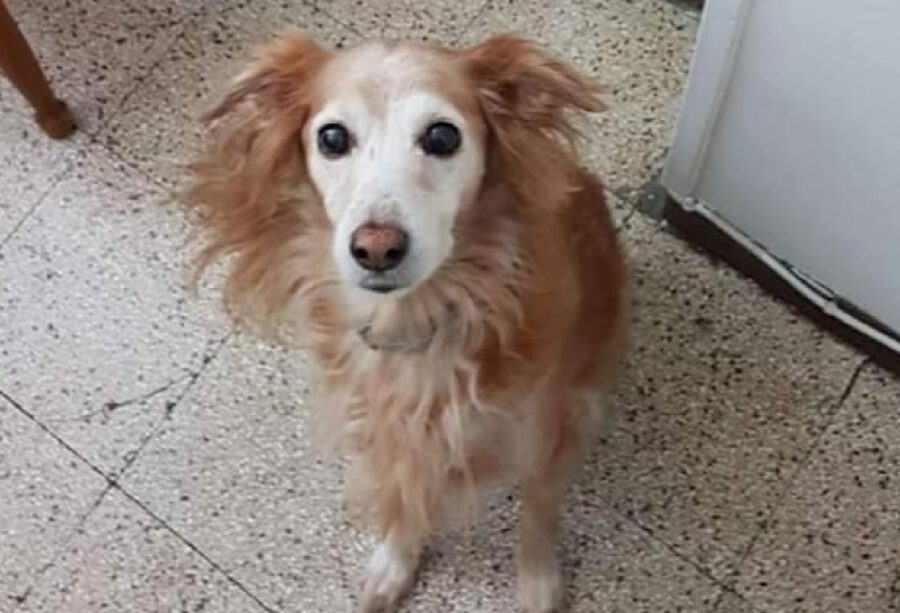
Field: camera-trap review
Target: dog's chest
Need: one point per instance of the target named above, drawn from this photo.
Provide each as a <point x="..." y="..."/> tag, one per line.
<point x="408" y="398"/>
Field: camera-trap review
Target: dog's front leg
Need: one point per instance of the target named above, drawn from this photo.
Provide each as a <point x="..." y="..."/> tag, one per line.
<point x="391" y="570"/>
<point x="543" y="490"/>
<point x="540" y="580"/>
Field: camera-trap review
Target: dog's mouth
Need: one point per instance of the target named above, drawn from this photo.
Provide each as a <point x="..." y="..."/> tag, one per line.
<point x="381" y="284"/>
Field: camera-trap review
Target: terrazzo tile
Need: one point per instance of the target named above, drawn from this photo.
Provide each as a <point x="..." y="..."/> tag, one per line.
<point x="93" y="52"/>
<point x="639" y="50"/>
<point x="432" y="20"/>
<point x="732" y="603"/>
<point x="724" y="393"/>
<point x="158" y="128"/>
<point x="96" y="335"/>
<point x="834" y="544"/>
<point x="619" y="208"/>
<point x="125" y="561"/>
<point x="609" y="565"/>
<point x="30" y="162"/>
<point x="237" y="471"/>
<point x="44" y="494"/>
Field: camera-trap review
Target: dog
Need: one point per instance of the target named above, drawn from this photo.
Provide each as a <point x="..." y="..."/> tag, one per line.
<point x="417" y="215"/>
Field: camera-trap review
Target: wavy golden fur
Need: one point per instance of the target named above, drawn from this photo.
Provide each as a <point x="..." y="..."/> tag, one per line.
<point x="526" y="316"/>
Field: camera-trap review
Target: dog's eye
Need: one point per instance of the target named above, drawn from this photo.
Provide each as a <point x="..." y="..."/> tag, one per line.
<point x="441" y="139"/>
<point x="334" y="140"/>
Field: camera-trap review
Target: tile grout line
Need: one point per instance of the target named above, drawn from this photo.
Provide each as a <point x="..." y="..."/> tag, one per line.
<point x="801" y="466"/>
<point x="38" y="576"/>
<point x="113" y="483"/>
<point x="482" y="10"/>
<point x="20" y="408"/>
<point x="804" y="460"/>
<point x="719" y="583"/>
<point x="314" y="5"/>
<point x="92" y="136"/>
<point x="622" y="226"/>
<point x="192" y="377"/>
<point x="726" y="584"/>
<point x="67" y="167"/>
<point x="716" y="608"/>
<point x="671" y="548"/>
<point x="190" y="545"/>
<point x="169" y="190"/>
<point x="140" y="79"/>
<point x="95" y="139"/>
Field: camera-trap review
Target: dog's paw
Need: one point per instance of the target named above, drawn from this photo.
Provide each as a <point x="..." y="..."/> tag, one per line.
<point x="540" y="590"/>
<point x="389" y="576"/>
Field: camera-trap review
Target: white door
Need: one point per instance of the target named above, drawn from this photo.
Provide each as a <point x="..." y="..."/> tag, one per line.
<point x="790" y="135"/>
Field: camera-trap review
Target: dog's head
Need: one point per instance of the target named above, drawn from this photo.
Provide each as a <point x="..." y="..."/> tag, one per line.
<point x="394" y="142"/>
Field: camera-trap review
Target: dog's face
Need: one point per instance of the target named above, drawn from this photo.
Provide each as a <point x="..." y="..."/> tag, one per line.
<point x="393" y="142"/>
<point x="395" y="148"/>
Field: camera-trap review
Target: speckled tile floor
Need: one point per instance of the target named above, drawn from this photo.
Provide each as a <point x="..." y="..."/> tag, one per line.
<point x="152" y="459"/>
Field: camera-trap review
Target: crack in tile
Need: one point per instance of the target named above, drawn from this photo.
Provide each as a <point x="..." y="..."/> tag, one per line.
<point x="39" y="574"/>
<point x="109" y="407"/>
<point x="112" y="482"/>
<point x="113" y="405"/>
<point x="192" y="377"/>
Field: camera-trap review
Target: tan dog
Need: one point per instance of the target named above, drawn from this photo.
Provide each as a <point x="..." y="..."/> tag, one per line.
<point x="419" y="214"/>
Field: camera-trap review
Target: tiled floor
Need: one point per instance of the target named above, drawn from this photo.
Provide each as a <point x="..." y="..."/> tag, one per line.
<point x="151" y="459"/>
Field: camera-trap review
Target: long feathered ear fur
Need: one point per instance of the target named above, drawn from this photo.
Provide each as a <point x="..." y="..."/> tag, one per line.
<point x="246" y="185"/>
<point x="527" y="99"/>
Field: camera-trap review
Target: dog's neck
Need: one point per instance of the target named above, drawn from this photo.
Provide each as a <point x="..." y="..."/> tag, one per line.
<point x="413" y="323"/>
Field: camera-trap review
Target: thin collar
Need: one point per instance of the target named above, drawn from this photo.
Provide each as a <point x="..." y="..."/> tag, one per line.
<point x="418" y="344"/>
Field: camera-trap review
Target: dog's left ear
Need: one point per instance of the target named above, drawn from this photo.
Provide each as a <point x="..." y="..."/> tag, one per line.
<point x="517" y="81"/>
<point x="248" y="186"/>
<point x="526" y="98"/>
<point x="255" y="140"/>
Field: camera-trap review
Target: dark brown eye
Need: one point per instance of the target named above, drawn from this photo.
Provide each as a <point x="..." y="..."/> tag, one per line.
<point x="441" y="139"/>
<point x="333" y="140"/>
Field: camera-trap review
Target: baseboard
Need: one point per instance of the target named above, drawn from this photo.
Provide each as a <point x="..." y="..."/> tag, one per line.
<point x="853" y="326"/>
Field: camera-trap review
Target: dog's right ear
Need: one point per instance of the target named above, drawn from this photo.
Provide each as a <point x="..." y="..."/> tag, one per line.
<point x="279" y="80"/>
<point x="258" y="121"/>
<point x="247" y="187"/>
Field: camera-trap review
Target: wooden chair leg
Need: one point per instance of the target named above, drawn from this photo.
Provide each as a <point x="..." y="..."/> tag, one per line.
<point x="21" y="67"/>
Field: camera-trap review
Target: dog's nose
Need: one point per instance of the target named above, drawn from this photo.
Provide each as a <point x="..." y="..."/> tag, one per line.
<point x="379" y="247"/>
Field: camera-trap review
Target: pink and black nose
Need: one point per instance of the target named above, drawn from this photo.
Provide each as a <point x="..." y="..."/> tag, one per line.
<point x="379" y="247"/>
